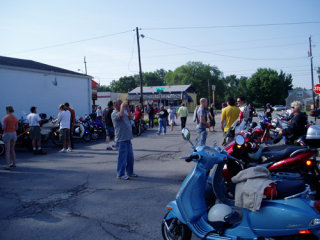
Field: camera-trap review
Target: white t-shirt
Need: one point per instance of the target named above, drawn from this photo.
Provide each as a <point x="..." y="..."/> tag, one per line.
<point x="33" y="119"/>
<point x="64" y="119"/>
<point x="99" y="113"/>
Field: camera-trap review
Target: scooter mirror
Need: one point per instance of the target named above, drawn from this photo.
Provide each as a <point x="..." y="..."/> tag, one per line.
<point x="239" y="139"/>
<point x="186" y="134"/>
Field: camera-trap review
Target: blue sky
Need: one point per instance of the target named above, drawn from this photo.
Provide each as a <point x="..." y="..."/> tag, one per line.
<point x="61" y="33"/>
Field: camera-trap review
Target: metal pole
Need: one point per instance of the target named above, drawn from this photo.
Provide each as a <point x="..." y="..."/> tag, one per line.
<point x="85" y="65"/>
<point x="140" y="71"/>
<point x="313" y="94"/>
<point x="208" y="93"/>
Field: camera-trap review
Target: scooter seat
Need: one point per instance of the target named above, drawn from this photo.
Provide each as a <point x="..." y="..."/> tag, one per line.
<point x="276" y="153"/>
<point x="288" y="188"/>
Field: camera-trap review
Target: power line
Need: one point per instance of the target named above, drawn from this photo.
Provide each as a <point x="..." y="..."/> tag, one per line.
<point x="233" y="26"/>
<point x="70" y="43"/>
<point x="221" y="55"/>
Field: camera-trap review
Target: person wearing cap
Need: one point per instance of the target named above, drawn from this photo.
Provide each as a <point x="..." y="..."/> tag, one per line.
<point x="297" y="125"/>
<point x="163" y="119"/>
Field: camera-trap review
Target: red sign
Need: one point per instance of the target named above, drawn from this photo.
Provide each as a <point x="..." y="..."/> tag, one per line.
<point x="316" y="89"/>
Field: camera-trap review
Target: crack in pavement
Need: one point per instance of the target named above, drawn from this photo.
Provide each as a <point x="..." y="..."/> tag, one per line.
<point x="34" y="207"/>
<point x="101" y="223"/>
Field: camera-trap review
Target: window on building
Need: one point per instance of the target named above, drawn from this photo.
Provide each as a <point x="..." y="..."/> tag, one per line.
<point x="300" y="94"/>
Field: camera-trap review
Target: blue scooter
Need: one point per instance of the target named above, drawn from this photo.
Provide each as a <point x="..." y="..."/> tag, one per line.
<point x="293" y="216"/>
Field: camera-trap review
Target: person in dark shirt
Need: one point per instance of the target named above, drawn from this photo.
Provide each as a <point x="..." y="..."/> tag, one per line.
<point x="163" y="119"/>
<point x="109" y="126"/>
<point x="268" y="111"/>
<point x="297" y="125"/>
<point x="151" y="116"/>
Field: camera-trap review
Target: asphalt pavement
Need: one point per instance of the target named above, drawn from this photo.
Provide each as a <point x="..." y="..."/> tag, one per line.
<point x="77" y="196"/>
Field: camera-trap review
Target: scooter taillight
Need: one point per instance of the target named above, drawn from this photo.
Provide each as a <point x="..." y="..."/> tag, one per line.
<point x="304" y="232"/>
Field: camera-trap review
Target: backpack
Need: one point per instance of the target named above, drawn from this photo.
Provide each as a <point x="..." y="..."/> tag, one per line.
<point x="195" y="114"/>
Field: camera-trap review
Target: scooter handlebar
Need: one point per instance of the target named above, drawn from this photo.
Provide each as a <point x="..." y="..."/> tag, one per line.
<point x="191" y="158"/>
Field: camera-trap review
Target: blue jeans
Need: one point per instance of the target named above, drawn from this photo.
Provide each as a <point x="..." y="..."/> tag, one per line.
<point x="151" y="120"/>
<point x="202" y="135"/>
<point x="125" y="158"/>
<point x="162" y="124"/>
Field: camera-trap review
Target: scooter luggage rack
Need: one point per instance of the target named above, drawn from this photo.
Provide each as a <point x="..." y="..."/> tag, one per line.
<point x="306" y="191"/>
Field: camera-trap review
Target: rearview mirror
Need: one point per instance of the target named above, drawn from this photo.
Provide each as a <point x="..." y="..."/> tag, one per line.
<point x="186" y="134"/>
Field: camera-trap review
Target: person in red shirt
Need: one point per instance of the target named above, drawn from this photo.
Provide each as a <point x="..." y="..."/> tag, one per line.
<point x="137" y="118"/>
<point x="10" y="126"/>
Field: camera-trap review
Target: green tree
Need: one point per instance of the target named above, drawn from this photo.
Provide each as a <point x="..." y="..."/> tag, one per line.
<point x="200" y="76"/>
<point x="125" y="84"/>
<point x="267" y="86"/>
<point x="155" y="78"/>
<point x="104" y="88"/>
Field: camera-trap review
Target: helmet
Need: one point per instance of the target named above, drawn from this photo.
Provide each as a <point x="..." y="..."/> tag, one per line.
<point x="77" y="130"/>
<point x="218" y="212"/>
<point x="268" y="104"/>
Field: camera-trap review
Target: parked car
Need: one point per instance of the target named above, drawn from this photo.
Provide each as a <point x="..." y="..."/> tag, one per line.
<point x="279" y="107"/>
<point x="315" y="113"/>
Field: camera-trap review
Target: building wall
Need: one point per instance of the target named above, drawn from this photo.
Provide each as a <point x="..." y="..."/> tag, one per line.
<point x="105" y="97"/>
<point x="25" y="88"/>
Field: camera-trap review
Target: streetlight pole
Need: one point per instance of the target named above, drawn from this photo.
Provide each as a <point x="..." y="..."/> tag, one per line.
<point x="140" y="71"/>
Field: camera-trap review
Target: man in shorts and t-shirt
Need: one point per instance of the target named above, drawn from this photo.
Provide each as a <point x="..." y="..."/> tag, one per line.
<point x="64" y="119"/>
<point x="34" y="119"/>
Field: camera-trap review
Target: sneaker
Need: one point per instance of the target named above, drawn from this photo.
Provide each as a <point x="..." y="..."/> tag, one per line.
<point x="109" y="148"/>
<point x="41" y="152"/>
<point x="124" y="177"/>
<point x="164" y="133"/>
<point x="133" y="175"/>
<point x="69" y="150"/>
<point x="63" y="150"/>
<point x="158" y="133"/>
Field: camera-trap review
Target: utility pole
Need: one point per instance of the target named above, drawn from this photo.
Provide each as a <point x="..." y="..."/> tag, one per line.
<point x="140" y="71"/>
<point x="85" y="65"/>
<point x="208" y="94"/>
<point x="310" y="55"/>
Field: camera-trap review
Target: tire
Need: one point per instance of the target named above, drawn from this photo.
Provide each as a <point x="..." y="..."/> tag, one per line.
<point x="94" y="136"/>
<point x="179" y="231"/>
<point x="55" y="140"/>
<point x="1" y="149"/>
<point x="86" y="137"/>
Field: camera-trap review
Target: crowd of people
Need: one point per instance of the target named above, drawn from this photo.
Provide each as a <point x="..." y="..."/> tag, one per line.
<point x="118" y="119"/>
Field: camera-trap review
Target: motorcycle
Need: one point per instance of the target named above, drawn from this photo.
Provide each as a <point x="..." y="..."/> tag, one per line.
<point x="279" y="159"/>
<point x="292" y="215"/>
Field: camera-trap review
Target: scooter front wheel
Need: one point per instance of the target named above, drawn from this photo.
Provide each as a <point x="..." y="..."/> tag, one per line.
<point x="173" y="229"/>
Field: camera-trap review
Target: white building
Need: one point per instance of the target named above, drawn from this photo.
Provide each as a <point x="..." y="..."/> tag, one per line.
<point x="25" y="83"/>
<point x="104" y="97"/>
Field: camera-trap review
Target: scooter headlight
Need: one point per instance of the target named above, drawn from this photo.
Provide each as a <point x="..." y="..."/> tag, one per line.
<point x="315" y="221"/>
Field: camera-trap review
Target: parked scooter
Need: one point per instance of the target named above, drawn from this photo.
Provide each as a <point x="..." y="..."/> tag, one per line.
<point x="291" y="216"/>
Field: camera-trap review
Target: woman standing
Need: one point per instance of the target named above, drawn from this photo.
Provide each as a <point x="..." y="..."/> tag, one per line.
<point x="10" y="126"/>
